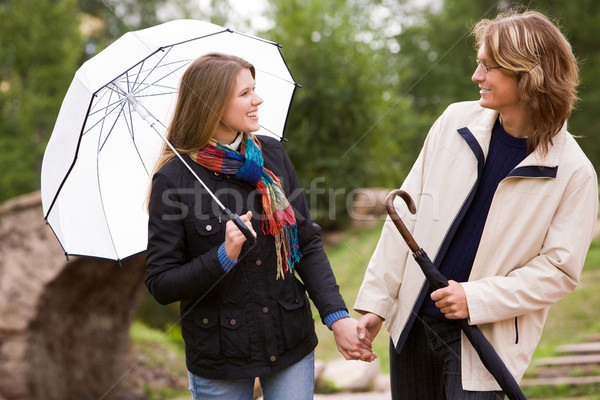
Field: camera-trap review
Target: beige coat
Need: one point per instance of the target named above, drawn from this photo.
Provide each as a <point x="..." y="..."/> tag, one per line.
<point x="532" y="249"/>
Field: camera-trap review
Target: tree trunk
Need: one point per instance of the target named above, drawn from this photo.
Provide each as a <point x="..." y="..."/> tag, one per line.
<point x="64" y="325"/>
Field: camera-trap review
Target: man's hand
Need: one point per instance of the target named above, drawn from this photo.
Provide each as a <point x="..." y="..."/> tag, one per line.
<point x="368" y="327"/>
<point x="452" y="301"/>
<point x="348" y="344"/>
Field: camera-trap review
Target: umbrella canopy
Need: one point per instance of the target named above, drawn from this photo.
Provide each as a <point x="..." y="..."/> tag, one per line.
<point x="490" y="359"/>
<point x="98" y="163"/>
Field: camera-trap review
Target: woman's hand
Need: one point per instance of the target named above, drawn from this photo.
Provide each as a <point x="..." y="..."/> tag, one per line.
<point x="348" y="344"/>
<point x="234" y="238"/>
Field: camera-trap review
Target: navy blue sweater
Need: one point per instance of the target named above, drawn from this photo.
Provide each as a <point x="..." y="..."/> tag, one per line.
<point x="504" y="154"/>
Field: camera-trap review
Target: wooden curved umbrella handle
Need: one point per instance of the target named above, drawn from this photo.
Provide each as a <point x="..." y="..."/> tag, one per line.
<point x="391" y="210"/>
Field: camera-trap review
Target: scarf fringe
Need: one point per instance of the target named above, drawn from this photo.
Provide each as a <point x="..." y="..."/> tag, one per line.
<point x="288" y="250"/>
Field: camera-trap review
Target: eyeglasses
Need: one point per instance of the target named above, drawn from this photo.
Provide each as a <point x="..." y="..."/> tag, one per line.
<point x="487" y="69"/>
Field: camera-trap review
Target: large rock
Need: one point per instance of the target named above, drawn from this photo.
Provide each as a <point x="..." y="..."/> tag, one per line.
<point x="351" y="375"/>
<point x="64" y="325"/>
<point x="368" y="206"/>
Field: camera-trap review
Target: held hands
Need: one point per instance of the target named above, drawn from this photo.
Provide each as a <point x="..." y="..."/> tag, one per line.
<point x="452" y="301"/>
<point x="368" y="327"/>
<point x="354" y="338"/>
<point x="234" y="238"/>
<point x="349" y="345"/>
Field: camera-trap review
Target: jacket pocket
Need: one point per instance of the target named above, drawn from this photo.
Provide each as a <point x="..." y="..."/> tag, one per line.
<point x="235" y="338"/>
<point x="205" y="334"/>
<point x="296" y="320"/>
<point x="204" y="234"/>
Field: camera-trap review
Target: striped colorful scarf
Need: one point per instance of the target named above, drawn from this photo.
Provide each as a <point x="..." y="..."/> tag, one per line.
<point x="278" y="220"/>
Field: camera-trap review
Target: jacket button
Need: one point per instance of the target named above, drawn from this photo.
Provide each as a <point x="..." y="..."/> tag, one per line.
<point x="209" y="228"/>
<point x="273" y="358"/>
<point x="258" y="262"/>
<point x="233" y="322"/>
<point x="216" y="173"/>
<point x="265" y="309"/>
<point x="205" y="321"/>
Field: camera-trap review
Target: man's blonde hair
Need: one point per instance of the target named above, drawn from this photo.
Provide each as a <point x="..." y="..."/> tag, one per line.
<point x="530" y="46"/>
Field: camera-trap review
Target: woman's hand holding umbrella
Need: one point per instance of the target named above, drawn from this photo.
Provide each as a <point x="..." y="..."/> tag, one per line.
<point x="234" y="238"/>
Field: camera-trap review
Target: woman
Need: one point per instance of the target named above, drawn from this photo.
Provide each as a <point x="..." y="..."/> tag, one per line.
<point x="244" y="313"/>
<point x="507" y="203"/>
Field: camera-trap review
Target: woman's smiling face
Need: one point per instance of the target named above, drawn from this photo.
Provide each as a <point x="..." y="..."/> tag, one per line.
<point x="241" y="113"/>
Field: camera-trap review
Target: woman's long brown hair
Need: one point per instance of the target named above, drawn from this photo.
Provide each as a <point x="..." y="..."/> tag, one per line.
<point x="204" y="91"/>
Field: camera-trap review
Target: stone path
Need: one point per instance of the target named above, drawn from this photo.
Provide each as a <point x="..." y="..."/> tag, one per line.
<point x="354" y="396"/>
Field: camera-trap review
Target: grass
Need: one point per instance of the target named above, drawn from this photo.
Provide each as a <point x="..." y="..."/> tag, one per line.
<point x="160" y="351"/>
<point x="574" y="319"/>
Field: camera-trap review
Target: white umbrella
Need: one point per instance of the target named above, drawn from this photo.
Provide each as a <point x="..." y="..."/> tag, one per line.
<point x="111" y="125"/>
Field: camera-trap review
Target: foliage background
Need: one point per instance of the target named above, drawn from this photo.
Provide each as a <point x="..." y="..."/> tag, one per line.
<point x="375" y="75"/>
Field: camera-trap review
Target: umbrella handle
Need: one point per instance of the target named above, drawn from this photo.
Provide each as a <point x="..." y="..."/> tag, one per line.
<point x="391" y="210"/>
<point x="241" y="226"/>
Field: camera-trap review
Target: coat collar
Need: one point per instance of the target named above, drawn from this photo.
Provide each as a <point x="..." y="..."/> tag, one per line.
<point x="535" y="165"/>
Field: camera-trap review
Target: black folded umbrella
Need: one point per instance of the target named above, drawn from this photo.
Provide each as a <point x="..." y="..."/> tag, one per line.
<point x="490" y="359"/>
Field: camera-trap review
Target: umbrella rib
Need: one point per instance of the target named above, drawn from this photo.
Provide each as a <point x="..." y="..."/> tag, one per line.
<point x="159" y="94"/>
<point x="98" y="100"/>
<point x="278" y="77"/>
<point x="131" y="134"/>
<point x="154" y="84"/>
<point x="110" y="236"/>
<point x="137" y="87"/>
<point x="130" y="128"/>
<point x="102" y="120"/>
<point x="171" y="72"/>
<point x="104" y="108"/>
<point x="138" y="74"/>
<point x="110" y="131"/>
<point x="129" y="123"/>
<point x="254" y="37"/>
<point x="153" y="68"/>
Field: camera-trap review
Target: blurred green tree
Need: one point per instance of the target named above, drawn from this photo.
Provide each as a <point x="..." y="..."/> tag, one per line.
<point x="117" y="18"/>
<point x="438" y="52"/>
<point x="40" y="46"/>
<point x="346" y="128"/>
<point x="438" y="55"/>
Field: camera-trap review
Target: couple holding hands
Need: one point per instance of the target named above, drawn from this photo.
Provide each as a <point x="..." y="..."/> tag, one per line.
<point x="506" y="201"/>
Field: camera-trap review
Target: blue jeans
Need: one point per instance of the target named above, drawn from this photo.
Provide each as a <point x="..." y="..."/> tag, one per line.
<point x="296" y="381"/>
<point x="429" y="367"/>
